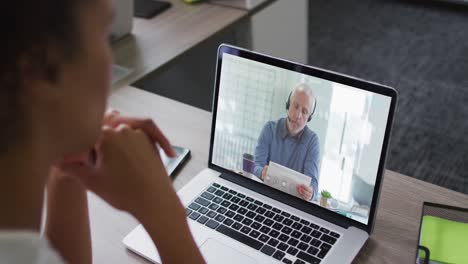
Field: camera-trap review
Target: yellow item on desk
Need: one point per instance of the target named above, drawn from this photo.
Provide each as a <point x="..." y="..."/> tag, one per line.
<point x="445" y="239"/>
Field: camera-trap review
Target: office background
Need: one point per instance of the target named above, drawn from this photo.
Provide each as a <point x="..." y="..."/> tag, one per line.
<point x="418" y="47"/>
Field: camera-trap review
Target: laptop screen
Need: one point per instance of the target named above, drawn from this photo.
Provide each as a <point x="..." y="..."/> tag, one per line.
<point x="315" y="139"/>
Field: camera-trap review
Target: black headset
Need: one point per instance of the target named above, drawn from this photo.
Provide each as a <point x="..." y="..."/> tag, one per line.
<point x="313" y="110"/>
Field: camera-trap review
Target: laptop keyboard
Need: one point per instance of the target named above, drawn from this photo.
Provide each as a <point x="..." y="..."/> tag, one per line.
<point x="261" y="226"/>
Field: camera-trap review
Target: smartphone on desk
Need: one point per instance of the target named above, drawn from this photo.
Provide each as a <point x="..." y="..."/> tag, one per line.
<point x="172" y="164"/>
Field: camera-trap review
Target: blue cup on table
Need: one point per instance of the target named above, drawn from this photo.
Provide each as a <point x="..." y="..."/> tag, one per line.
<point x="248" y="163"/>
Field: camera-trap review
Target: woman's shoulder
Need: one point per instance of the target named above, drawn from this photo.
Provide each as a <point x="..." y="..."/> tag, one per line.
<point x="26" y="247"/>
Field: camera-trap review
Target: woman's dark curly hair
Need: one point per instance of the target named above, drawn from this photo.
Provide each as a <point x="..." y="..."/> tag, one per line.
<point x="30" y="30"/>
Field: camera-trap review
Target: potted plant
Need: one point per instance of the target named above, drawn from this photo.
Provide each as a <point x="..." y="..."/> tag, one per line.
<point x="325" y="195"/>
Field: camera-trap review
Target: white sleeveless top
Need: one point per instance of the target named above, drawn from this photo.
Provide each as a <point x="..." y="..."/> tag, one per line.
<point x="26" y="247"/>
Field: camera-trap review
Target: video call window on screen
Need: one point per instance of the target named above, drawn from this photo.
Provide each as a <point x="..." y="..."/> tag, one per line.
<point x="311" y="138"/>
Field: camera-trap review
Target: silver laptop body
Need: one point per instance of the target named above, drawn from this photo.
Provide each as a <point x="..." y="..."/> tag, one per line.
<point x="235" y="217"/>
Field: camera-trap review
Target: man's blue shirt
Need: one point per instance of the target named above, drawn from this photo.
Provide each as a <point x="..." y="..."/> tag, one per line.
<point x="300" y="153"/>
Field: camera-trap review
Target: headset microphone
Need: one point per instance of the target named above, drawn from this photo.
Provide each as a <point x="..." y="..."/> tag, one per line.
<point x="288" y="103"/>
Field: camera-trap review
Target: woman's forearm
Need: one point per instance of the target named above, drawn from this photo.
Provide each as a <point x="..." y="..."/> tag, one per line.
<point x="67" y="222"/>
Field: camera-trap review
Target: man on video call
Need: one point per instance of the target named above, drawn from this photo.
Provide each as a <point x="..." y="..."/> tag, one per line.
<point x="289" y="142"/>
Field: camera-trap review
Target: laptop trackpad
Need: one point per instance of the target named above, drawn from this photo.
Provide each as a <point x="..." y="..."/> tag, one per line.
<point x="214" y="251"/>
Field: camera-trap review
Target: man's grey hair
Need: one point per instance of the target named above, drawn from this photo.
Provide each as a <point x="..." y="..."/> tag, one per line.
<point x="303" y="87"/>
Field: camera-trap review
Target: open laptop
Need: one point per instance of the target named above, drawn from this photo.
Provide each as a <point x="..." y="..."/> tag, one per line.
<point x="235" y="217"/>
